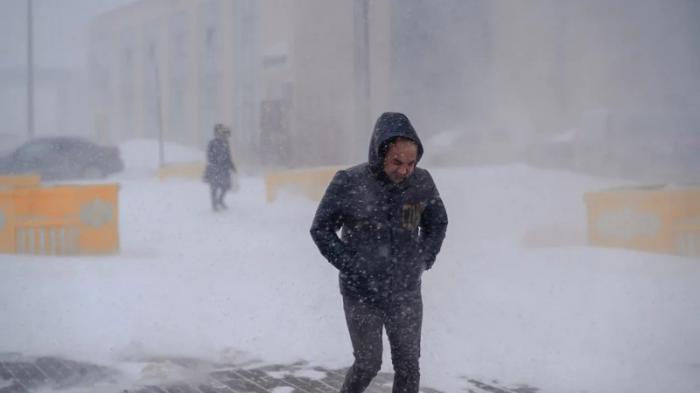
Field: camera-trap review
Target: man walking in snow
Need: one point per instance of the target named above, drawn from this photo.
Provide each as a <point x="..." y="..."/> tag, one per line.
<point x="392" y="224"/>
<point x="219" y="166"/>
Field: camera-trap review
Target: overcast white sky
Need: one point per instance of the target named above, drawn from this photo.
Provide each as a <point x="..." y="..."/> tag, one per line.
<point x="60" y="28"/>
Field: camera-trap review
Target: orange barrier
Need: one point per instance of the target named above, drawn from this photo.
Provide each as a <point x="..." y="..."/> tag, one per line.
<point x="311" y="182"/>
<point x="654" y="219"/>
<point x="19" y="181"/>
<point x="60" y="220"/>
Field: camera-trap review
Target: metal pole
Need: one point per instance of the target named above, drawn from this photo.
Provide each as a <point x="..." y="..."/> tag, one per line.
<point x="159" y="116"/>
<point x="30" y="72"/>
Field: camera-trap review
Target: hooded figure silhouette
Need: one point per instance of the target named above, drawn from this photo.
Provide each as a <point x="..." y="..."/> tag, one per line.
<point x="392" y="223"/>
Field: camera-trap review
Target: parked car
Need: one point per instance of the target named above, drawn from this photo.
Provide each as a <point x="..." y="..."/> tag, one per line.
<point x="58" y="158"/>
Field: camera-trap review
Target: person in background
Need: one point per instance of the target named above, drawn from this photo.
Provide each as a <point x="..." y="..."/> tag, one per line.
<point x="392" y="224"/>
<point x="219" y="166"/>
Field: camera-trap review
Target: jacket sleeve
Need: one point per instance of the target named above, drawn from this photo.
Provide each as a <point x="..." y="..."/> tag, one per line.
<point x="328" y="220"/>
<point x="433" y="226"/>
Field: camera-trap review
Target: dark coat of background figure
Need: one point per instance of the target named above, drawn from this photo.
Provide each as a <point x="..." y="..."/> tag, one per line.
<point x="219" y="166"/>
<point x="391" y="232"/>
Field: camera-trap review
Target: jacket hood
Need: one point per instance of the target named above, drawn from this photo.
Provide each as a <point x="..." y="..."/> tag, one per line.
<point x="390" y="125"/>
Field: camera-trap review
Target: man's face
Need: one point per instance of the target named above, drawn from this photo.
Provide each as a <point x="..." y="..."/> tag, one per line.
<point x="400" y="160"/>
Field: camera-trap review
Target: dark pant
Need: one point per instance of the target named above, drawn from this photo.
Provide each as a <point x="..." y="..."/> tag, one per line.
<point x="402" y="317"/>
<point x="217" y="197"/>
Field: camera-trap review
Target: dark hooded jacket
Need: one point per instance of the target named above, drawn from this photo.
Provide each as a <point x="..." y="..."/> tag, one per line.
<point x="219" y="163"/>
<point x="390" y="233"/>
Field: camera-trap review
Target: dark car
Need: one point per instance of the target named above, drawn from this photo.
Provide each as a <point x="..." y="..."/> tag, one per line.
<point x="57" y="158"/>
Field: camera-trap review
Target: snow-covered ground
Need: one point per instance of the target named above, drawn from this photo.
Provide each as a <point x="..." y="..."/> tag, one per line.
<point x="515" y="296"/>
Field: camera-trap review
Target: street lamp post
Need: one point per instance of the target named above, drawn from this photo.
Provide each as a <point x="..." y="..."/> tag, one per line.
<point x="159" y="116"/>
<point x="30" y="72"/>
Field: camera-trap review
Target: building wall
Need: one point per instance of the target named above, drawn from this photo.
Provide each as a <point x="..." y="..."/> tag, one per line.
<point x="302" y="82"/>
<point x="557" y="64"/>
<point x="277" y="51"/>
<point x="503" y="76"/>
<point x="180" y="67"/>
<point x="440" y="63"/>
<point x="323" y="95"/>
<point x="327" y="62"/>
<point x="290" y="78"/>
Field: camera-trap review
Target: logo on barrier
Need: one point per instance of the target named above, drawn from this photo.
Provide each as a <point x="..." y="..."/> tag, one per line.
<point x="96" y="213"/>
<point x="687" y="237"/>
<point x="628" y="224"/>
